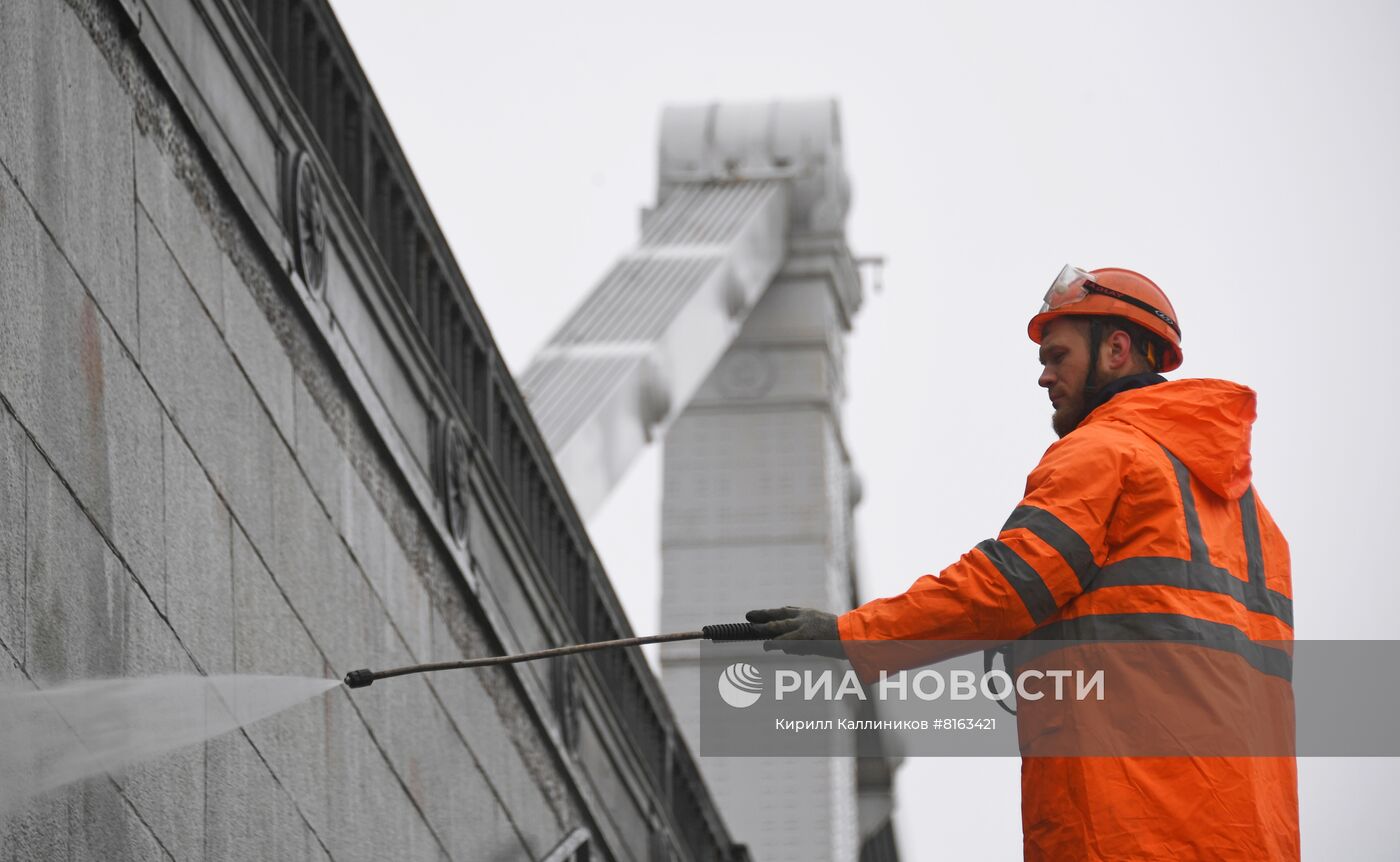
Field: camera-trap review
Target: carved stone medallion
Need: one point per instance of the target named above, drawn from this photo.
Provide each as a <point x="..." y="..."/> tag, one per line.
<point x="454" y="478"/>
<point x="307" y="222"/>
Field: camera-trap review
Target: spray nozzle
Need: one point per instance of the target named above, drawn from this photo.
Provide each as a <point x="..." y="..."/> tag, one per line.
<point x="359" y="678"/>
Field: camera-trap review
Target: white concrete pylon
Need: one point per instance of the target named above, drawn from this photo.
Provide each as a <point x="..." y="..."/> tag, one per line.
<point x="735" y="183"/>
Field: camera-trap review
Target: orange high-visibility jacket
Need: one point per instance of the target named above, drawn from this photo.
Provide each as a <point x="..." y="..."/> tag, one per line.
<point x="1142" y="523"/>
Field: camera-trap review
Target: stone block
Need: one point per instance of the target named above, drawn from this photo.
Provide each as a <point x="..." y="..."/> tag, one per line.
<point x="380" y="556"/>
<point x="270" y="639"/>
<point x="249" y="816"/>
<point x="65" y="135"/>
<point x="198" y="559"/>
<point x="75" y="601"/>
<point x="102" y="826"/>
<point x="36" y="828"/>
<point x="319" y="452"/>
<point x="316" y="572"/>
<point x="406" y="598"/>
<point x="474" y="712"/>
<point x="454" y="794"/>
<point x="130" y="505"/>
<point x="363" y="527"/>
<point x="258" y="350"/>
<point x="445" y="781"/>
<point x="151" y="647"/>
<point x="14" y="447"/>
<point x="268" y="636"/>
<point x="180" y="225"/>
<point x="206" y="394"/>
<point x="167" y="791"/>
<point x="76" y="390"/>
<point x="371" y="816"/>
<point x="37" y="831"/>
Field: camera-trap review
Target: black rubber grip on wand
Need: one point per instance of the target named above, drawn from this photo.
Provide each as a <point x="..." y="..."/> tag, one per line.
<point x="732" y="632"/>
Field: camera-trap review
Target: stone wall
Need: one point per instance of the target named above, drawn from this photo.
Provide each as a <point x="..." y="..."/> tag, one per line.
<point x="191" y="480"/>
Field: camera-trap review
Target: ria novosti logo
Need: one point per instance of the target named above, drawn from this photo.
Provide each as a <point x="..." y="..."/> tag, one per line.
<point x="740" y="684"/>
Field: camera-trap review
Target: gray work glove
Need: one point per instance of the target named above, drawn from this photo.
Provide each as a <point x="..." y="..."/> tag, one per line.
<point x="798" y="631"/>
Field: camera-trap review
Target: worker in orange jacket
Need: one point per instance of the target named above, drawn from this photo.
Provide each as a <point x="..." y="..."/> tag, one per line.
<point x="1140" y="523"/>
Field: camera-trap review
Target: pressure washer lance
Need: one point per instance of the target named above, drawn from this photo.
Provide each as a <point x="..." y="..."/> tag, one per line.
<point x="719" y="632"/>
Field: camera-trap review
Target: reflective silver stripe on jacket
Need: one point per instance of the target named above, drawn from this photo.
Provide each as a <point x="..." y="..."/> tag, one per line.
<point x="1261" y="655"/>
<point x="1023" y="577"/>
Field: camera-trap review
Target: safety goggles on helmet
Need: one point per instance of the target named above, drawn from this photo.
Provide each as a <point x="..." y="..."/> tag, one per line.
<point x="1074" y="284"/>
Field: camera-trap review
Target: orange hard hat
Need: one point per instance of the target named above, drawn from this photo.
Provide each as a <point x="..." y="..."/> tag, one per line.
<point x="1112" y="292"/>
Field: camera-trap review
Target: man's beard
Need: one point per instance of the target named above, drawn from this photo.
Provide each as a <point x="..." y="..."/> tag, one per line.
<point x="1068" y="418"/>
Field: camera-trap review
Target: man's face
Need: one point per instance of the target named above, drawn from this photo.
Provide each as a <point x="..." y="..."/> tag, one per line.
<point x="1064" y="353"/>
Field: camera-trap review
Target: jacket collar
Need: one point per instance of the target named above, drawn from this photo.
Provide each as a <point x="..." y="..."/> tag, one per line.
<point x="1122" y="384"/>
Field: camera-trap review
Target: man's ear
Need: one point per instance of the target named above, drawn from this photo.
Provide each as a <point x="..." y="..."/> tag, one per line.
<point x="1119" y="348"/>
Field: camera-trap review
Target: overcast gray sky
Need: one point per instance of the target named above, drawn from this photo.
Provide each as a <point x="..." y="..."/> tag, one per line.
<point x="1245" y="155"/>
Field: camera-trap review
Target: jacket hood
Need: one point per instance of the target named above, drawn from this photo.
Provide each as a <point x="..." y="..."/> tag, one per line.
<point x="1204" y="423"/>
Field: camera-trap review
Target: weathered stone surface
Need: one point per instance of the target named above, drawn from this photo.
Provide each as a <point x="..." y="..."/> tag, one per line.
<point x="423" y="750"/>
<point x="102" y="826"/>
<point x="249" y="816"/>
<point x="473" y="711"/>
<point x="363" y="528"/>
<point x="34" y="827"/>
<point x="427" y="753"/>
<point x="450" y="788"/>
<point x="161" y="411"/>
<point x="362" y="782"/>
<point x="38" y="829"/>
<point x="319" y="453"/>
<point x="319" y="577"/>
<point x="220" y="91"/>
<point x="180" y="225"/>
<point x="133" y="509"/>
<point x="168" y="791"/>
<point x="65" y="135"/>
<point x="198" y="559"/>
<point x="205" y="392"/>
<point x="76" y="390"/>
<point x="268" y="636"/>
<point x="253" y="342"/>
<point x="76" y="595"/>
<point x="83" y="820"/>
<point x="270" y="639"/>
<point x="386" y="566"/>
<point x="405" y="597"/>
<point x="310" y="560"/>
<point x="13" y="448"/>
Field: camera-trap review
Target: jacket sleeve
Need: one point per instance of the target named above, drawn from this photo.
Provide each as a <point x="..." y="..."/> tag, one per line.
<point x="1046" y="554"/>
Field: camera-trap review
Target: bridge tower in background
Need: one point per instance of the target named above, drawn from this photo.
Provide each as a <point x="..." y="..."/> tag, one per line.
<point x="724" y="330"/>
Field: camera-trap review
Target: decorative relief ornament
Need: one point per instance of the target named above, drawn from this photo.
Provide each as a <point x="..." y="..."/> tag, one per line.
<point x="746" y="374"/>
<point x="306" y="222"/>
<point x="454" y="478"/>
